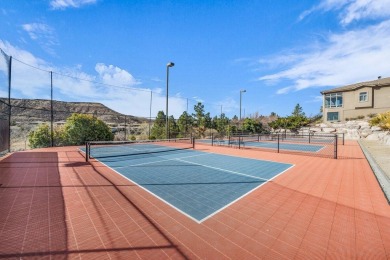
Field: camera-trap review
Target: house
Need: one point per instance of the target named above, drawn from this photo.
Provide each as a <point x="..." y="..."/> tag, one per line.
<point x="357" y="100"/>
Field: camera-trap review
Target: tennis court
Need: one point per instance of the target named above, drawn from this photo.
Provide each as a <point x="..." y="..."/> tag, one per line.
<point x="55" y="205"/>
<point x="271" y="145"/>
<point x="196" y="183"/>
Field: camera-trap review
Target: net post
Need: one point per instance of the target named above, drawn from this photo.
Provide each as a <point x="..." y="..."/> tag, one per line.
<point x="86" y="151"/>
<point x="343" y="138"/>
<point x="278" y="143"/>
<point x="309" y="137"/>
<point x="212" y="139"/>
<point x="193" y="142"/>
<point x="239" y="142"/>
<point x="335" y="147"/>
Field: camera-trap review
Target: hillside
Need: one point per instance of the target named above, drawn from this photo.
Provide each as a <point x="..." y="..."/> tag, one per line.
<point x="38" y="110"/>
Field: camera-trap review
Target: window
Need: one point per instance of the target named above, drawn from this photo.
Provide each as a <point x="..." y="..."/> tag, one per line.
<point x="363" y="97"/>
<point x="332" y="116"/>
<point x="334" y="100"/>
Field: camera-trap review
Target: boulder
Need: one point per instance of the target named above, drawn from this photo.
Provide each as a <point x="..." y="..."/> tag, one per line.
<point x="352" y="134"/>
<point x="363" y="124"/>
<point x="386" y="140"/>
<point x="382" y="135"/>
<point x="342" y="131"/>
<point x="373" y="137"/>
<point x="365" y="132"/>
<point x="375" y="128"/>
<point x="337" y="125"/>
<point x="328" y="130"/>
<point x="315" y="130"/>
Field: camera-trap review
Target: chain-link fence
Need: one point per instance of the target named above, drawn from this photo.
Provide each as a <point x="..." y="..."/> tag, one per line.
<point x="35" y="93"/>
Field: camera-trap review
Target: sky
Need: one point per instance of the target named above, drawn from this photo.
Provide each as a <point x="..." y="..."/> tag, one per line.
<point x="280" y="52"/>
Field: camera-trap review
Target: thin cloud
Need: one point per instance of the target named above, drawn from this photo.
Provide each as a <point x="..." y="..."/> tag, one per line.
<point x="64" y="4"/>
<point x="43" y="34"/>
<point x="352" y="11"/>
<point x="344" y="58"/>
<point x="111" y="85"/>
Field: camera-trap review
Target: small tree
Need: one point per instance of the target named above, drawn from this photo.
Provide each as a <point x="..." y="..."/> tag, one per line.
<point x="40" y="137"/>
<point x="80" y="128"/>
<point x="298" y="111"/>
<point x="158" y="129"/>
<point x="250" y="125"/>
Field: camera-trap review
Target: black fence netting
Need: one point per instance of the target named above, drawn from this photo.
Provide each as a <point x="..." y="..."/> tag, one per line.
<point x="307" y="144"/>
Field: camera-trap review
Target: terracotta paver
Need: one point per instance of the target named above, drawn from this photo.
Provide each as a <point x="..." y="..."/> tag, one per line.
<point x="55" y="205"/>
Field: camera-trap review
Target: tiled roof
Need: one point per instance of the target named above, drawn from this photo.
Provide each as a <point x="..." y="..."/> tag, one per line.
<point x="373" y="83"/>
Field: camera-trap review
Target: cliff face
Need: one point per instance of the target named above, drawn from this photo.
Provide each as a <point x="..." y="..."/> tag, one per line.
<point x="31" y="110"/>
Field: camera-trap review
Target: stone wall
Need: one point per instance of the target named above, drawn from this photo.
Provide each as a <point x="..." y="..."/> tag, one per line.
<point x="353" y="130"/>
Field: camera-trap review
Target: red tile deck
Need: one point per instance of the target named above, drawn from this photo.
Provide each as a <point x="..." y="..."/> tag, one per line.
<point x="55" y="205"/>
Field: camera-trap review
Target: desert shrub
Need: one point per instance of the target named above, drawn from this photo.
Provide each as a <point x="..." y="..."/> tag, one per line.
<point x="371" y="115"/>
<point x="40" y="137"/>
<point x="360" y="117"/>
<point x="80" y="128"/>
<point x="382" y="120"/>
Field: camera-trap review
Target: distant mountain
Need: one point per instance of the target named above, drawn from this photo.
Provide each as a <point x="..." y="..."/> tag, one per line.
<point x="33" y="110"/>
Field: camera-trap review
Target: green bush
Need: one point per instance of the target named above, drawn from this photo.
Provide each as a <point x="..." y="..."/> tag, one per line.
<point x="80" y="128"/>
<point x="381" y="120"/>
<point x="40" y="137"/>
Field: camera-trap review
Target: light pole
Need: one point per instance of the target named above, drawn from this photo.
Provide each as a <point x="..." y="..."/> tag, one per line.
<point x="241" y="91"/>
<point x="170" y="64"/>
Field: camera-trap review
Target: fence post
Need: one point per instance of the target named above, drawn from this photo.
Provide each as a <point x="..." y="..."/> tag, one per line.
<point x="9" y="102"/>
<point x="335" y="147"/>
<point x="343" y="138"/>
<point x="86" y="151"/>
<point x="51" y="110"/>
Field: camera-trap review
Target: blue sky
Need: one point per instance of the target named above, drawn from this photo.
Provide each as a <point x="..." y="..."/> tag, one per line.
<point x="281" y="52"/>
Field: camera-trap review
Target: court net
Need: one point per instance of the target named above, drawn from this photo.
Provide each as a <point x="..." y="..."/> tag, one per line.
<point x="102" y="149"/>
<point x="308" y="144"/>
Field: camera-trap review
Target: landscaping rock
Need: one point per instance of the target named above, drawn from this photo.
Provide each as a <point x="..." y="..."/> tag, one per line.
<point x="328" y="130"/>
<point x="375" y="128"/>
<point x="373" y="137"/>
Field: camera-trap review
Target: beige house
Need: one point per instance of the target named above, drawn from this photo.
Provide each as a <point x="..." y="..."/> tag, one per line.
<point x="356" y="100"/>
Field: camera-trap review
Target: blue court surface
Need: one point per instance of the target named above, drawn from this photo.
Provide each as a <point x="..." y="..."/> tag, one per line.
<point x="271" y="145"/>
<point x="196" y="183"/>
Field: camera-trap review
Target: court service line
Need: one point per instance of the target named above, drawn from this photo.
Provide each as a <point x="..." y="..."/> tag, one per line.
<point x="242" y="196"/>
<point x="223" y="170"/>
<point x="148" y="163"/>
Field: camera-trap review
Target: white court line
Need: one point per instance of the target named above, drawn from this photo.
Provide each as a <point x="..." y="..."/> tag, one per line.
<point x="166" y="160"/>
<point x="242" y="196"/>
<point x="222" y="170"/>
<point x="215" y="168"/>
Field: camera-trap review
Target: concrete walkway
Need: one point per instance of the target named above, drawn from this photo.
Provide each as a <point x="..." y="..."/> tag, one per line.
<point x="378" y="155"/>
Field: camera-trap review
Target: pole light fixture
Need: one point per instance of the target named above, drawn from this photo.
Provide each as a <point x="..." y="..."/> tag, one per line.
<point x="169" y="65"/>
